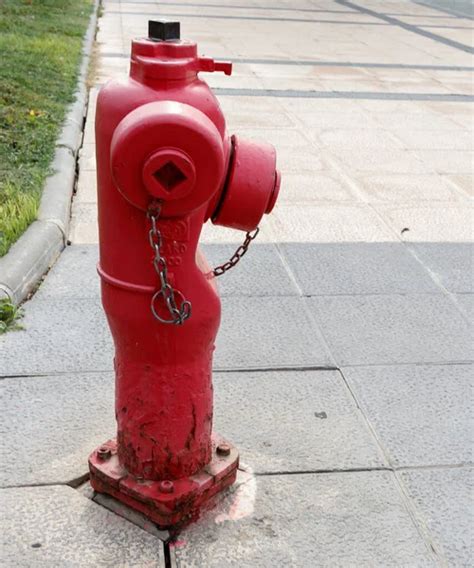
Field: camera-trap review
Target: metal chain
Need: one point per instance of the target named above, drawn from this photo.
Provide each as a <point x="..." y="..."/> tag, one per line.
<point x="178" y="315"/>
<point x="181" y="314"/>
<point x="238" y="254"/>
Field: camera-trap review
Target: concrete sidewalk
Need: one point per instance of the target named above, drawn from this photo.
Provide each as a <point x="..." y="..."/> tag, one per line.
<point x="344" y="361"/>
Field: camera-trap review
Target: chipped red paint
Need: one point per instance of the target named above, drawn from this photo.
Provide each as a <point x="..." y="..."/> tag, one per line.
<point x="161" y="137"/>
<point x="167" y="508"/>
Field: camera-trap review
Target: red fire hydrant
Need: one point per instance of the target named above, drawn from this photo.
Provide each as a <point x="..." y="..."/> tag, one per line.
<point x="165" y="165"/>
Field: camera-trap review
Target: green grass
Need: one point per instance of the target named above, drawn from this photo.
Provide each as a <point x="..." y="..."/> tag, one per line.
<point x="9" y="316"/>
<point x="40" y="43"/>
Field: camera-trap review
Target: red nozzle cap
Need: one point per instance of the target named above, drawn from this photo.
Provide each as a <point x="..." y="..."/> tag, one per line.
<point x="252" y="186"/>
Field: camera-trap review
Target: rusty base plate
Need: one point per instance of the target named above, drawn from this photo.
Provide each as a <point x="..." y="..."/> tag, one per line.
<point x="166" y="503"/>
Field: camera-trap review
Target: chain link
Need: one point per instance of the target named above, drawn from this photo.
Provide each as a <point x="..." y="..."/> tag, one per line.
<point x="238" y="254"/>
<point x="177" y="315"/>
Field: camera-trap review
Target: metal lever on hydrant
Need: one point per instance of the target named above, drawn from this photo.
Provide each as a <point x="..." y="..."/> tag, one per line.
<point x="165" y="166"/>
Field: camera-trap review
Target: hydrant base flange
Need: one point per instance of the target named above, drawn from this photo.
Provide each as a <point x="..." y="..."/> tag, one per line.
<point x="168" y="503"/>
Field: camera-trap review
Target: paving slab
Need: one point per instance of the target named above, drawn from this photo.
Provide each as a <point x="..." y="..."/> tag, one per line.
<point x="341" y="138"/>
<point x="382" y="160"/>
<point x="460" y="113"/>
<point x="307" y="520"/>
<point x="405" y="188"/>
<point x="430" y="223"/>
<point x="86" y="191"/>
<point x="217" y="234"/>
<point x="302" y="159"/>
<point x="356" y="268"/>
<point x="277" y="120"/>
<point x="84" y="229"/>
<point x="71" y="335"/>
<point x="463" y="182"/>
<point x="51" y="424"/>
<point x="261" y="272"/>
<point x="57" y="526"/>
<point x="60" y="335"/>
<point x="393" y="329"/>
<point x="315" y="188"/>
<point x="293" y="421"/>
<point x="232" y="106"/>
<point x="87" y="157"/>
<point x="414" y="121"/>
<point x="312" y="114"/>
<point x="445" y="505"/>
<point x="447" y="161"/>
<point x="73" y="275"/>
<point x="328" y="223"/>
<point x="268" y="332"/>
<point x="304" y="110"/>
<point x="431" y="140"/>
<point x="452" y="264"/>
<point x="466" y="303"/>
<point x="422" y="415"/>
<point x="280" y="138"/>
<point x="377" y="107"/>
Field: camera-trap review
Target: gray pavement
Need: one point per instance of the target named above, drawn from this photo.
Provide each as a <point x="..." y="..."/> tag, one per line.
<point x="57" y="526"/>
<point x="344" y="362"/>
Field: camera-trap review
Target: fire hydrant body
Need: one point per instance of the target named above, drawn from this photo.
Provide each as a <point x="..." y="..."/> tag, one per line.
<point x="165" y="166"/>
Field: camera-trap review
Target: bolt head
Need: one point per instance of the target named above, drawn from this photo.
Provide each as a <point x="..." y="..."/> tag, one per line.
<point x="166" y="486"/>
<point x="223" y="449"/>
<point x="104" y="453"/>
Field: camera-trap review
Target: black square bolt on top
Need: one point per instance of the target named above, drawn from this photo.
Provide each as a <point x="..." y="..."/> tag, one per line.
<point x="161" y="30"/>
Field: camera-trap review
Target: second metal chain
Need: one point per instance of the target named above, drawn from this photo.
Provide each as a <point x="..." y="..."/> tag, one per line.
<point x="238" y="254"/>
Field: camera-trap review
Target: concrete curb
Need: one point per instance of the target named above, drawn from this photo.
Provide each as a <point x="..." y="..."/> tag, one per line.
<point x="38" y="248"/>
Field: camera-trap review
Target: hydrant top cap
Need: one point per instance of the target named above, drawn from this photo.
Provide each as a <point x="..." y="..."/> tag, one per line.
<point x="163" y="55"/>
